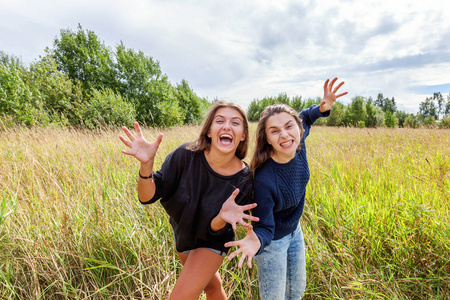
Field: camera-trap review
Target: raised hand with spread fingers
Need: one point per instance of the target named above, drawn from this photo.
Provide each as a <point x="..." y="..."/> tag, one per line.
<point x="145" y="152"/>
<point x="247" y="247"/>
<point x="233" y="213"/>
<point x="329" y="95"/>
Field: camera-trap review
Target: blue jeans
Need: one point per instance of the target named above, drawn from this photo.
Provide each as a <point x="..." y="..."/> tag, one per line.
<point x="282" y="268"/>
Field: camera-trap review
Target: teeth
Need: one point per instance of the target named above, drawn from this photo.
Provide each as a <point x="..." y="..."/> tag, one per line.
<point x="287" y="143"/>
<point x="226" y="136"/>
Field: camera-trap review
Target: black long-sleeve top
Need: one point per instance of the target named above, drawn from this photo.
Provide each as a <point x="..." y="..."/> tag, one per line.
<point x="192" y="194"/>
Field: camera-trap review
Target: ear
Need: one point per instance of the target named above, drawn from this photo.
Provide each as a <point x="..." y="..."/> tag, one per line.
<point x="208" y="134"/>
<point x="243" y="137"/>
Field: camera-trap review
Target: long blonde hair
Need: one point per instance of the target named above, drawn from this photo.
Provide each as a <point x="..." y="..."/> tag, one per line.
<point x="203" y="143"/>
<point x="263" y="149"/>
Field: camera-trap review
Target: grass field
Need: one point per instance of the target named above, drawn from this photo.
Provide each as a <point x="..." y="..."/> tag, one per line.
<point x="376" y="222"/>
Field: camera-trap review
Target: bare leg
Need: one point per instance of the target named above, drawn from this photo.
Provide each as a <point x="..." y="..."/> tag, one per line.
<point x="199" y="273"/>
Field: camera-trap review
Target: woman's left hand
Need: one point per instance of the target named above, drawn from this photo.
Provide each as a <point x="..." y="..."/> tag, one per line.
<point x="247" y="247"/>
<point x="329" y="95"/>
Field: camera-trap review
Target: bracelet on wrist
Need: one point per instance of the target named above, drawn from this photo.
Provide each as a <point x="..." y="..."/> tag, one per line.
<point x="144" y="177"/>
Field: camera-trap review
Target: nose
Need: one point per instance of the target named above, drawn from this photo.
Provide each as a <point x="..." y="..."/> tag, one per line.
<point x="284" y="133"/>
<point x="226" y="125"/>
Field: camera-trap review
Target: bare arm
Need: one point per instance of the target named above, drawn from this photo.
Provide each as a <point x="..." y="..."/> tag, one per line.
<point x="145" y="153"/>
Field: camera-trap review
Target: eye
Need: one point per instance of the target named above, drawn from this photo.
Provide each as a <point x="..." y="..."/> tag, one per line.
<point x="236" y="123"/>
<point x="290" y="126"/>
<point x="274" y="131"/>
<point x="219" y="121"/>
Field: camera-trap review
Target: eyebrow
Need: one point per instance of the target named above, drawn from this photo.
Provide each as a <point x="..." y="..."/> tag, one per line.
<point x="290" y="121"/>
<point x="220" y="116"/>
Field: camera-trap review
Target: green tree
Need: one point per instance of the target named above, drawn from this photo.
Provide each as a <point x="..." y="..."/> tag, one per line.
<point x="440" y="104"/>
<point x="428" y="108"/>
<point x="411" y="122"/>
<point x="371" y="112"/>
<point x="83" y="57"/>
<point x="447" y="107"/>
<point x="401" y="117"/>
<point x="140" y="80"/>
<point x="256" y="107"/>
<point x="445" y="123"/>
<point x="107" y="108"/>
<point x="389" y="105"/>
<point x="337" y="115"/>
<point x="62" y="99"/>
<point x="355" y="113"/>
<point x="380" y="100"/>
<point x="297" y="103"/>
<point x="390" y="119"/>
<point x="17" y="97"/>
<point x="192" y="106"/>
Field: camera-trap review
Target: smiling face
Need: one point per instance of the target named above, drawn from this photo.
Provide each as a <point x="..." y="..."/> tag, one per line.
<point x="284" y="135"/>
<point x="226" y="130"/>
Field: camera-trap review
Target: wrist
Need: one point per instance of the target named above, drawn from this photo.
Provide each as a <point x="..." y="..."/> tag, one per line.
<point x="145" y="177"/>
<point x="217" y="223"/>
<point x="146" y="169"/>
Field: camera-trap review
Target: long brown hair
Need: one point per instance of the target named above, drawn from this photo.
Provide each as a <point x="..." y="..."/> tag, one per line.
<point x="263" y="149"/>
<point x="203" y="143"/>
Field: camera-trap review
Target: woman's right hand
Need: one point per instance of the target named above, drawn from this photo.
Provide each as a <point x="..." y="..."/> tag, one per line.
<point x="141" y="149"/>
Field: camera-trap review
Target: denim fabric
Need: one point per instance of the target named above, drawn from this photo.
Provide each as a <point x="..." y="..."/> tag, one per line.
<point x="282" y="268"/>
<point x="210" y="249"/>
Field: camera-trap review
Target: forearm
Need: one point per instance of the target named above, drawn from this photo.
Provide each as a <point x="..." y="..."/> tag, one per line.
<point x="146" y="187"/>
<point x="217" y="223"/>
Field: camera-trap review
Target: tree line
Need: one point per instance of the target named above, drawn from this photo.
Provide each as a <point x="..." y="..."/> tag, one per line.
<point x="367" y="112"/>
<point x="82" y="82"/>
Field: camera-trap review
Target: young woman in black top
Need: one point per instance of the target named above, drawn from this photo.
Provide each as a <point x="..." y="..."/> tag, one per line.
<point x="192" y="185"/>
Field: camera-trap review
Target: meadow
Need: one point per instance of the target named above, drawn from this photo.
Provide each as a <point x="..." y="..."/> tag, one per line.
<point x="376" y="221"/>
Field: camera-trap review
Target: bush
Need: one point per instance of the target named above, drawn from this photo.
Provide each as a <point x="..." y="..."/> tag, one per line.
<point x="191" y="105"/>
<point x="18" y="98"/>
<point x="445" y="123"/>
<point x="411" y="122"/>
<point x="390" y="120"/>
<point x="62" y="99"/>
<point x="107" y="108"/>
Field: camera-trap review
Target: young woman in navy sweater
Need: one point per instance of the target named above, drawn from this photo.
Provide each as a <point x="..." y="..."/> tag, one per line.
<point x="281" y="173"/>
<point x="192" y="185"/>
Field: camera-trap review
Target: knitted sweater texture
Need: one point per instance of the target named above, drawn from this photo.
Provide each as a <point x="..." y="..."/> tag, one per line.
<point x="279" y="189"/>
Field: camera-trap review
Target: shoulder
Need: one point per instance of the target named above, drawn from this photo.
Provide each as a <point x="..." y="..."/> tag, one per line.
<point x="179" y="157"/>
<point x="265" y="173"/>
<point x="183" y="151"/>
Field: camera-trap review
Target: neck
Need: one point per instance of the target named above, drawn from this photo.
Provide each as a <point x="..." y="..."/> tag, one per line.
<point x="281" y="159"/>
<point x="223" y="163"/>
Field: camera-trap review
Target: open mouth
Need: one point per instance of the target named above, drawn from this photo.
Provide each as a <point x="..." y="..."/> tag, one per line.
<point x="226" y="139"/>
<point x="287" y="144"/>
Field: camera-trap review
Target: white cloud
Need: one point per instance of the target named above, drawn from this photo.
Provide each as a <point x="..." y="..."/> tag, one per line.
<point x="242" y="50"/>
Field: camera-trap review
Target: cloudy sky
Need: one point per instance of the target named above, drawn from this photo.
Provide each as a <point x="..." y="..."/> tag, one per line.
<point x="243" y="50"/>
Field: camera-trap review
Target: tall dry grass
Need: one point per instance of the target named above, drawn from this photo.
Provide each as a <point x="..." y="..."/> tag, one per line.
<point x="376" y="221"/>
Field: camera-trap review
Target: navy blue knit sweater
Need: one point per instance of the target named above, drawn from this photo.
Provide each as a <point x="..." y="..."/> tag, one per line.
<point x="280" y="189"/>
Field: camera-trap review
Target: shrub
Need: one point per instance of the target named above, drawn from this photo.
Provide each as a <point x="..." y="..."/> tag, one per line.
<point x="445" y="123"/>
<point x="107" y="108"/>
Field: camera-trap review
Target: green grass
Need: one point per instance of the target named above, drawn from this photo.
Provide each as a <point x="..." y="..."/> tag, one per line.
<point x="376" y="222"/>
